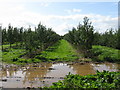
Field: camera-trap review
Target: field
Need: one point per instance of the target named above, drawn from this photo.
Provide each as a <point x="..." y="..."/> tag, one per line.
<point x="61" y="51"/>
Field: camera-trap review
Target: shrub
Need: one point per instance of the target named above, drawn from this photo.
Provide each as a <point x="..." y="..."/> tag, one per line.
<point x="101" y="80"/>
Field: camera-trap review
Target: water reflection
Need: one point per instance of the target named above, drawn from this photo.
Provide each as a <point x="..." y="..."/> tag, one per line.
<point x="35" y="72"/>
<point x="106" y="66"/>
<point x="84" y="69"/>
<point x="36" y="75"/>
<point x="8" y="71"/>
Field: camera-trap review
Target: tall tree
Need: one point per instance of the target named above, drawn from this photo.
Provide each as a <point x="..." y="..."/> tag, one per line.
<point x="15" y="36"/>
<point x="82" y="37"/>
<point x="10" y="35"/>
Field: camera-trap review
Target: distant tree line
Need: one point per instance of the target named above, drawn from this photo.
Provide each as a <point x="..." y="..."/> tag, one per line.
<point x="31" y="40"/>
<point x="110" y="38"/>
<point x="83" y="37"/>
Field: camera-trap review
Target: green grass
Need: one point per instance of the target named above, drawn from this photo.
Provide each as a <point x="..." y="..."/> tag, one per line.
<point x="102" y="53"/>
<point x="0" y="53"/>
<point x="101" y="80"/>
<point x="8" y="45"/>
<point x="12" y="55"/>
<point x="61" y="51"/>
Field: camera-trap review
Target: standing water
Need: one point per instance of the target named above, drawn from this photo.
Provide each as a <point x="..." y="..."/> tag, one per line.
<point x="44" y="74"/>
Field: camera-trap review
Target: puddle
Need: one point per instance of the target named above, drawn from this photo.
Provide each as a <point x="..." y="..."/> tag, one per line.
<point x="44" y="74"/>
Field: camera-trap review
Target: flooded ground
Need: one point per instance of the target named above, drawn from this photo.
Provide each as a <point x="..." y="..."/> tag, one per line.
<point x="44" y="74"/>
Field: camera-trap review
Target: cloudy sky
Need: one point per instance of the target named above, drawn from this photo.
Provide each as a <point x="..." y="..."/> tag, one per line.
<point x="61" y="16"/>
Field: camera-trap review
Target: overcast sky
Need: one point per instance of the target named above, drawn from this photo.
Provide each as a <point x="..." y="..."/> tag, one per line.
<point x="61" y="16"/>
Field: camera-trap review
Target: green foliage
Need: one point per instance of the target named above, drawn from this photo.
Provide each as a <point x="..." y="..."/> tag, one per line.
<point x="7" y="46"/>
<point x="35" y="60"/>
<point x="15" y="56"/>
<point x="105" y="54"/>
<point x="40" y="38"/>
<point x="16" y="40"/>
<point x="82" y="37"/>
<point x="118" y="39"/>
<point x="100" y="80"/>
<point x="109" y="38"/>
<point x="12" y="55"/>
<point x="61" y="51"/>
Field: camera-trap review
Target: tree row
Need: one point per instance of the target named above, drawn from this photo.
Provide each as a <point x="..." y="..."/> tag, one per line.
<point x="31" y="40"/>
<point x="84" y="36"/>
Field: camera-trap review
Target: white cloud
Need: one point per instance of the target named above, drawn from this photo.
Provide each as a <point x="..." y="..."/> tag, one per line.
<point x="77" y="10"/>
<point x="45" y="4"/>
<point x="74" y="10"/>
<point x="18" y="15"/>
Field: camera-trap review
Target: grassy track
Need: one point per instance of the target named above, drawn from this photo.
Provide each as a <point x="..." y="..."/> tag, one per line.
<point x="61" y="51"/>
